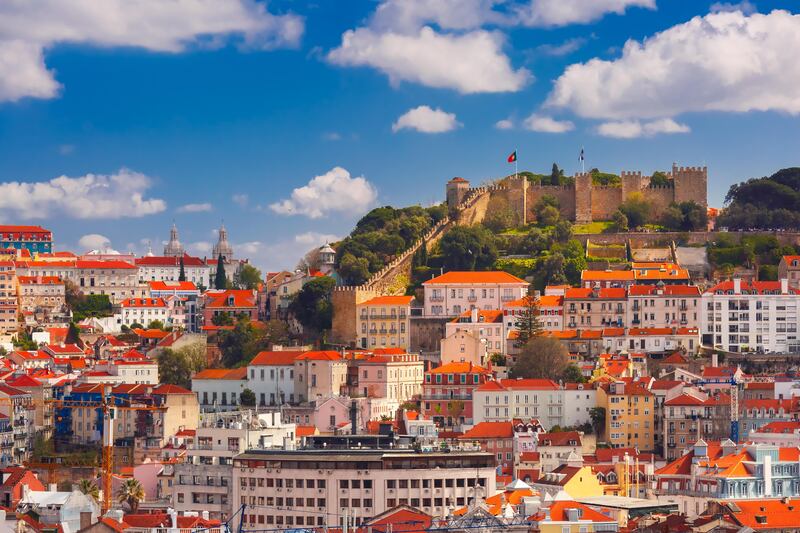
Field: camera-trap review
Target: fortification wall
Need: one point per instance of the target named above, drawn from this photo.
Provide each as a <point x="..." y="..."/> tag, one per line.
<point x="691" y="184"/>
<point x="564" y="195"/>
<point x="426" y="333"/>
<point x="344" y="300"/>
<point x="474" y="208"/>
<point x="605" y="201"/>
<point x="660" y="197"/>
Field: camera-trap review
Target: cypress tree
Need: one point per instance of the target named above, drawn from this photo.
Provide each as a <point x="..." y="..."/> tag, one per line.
<point x="423" y="254"/>
<point x="220" y="279"/>
<point x="528" y="322"/>
<point x="182" y="273"/>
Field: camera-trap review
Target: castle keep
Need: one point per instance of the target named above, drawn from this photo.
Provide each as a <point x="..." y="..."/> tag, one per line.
<point x="584" y="202"/>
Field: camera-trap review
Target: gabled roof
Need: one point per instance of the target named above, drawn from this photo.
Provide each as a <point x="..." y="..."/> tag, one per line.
<point x="477" y="278"/>
<point x="24" y="381"/>
<point x="327" y="355"/>
<point x="172" y="286"/>
<point x="607" y="275"/>
<point x="104" y="265"/>
<point x="558" y="512"/>
<point x="222" y="373"/>
<point x="519" y="384"/>
<point x="389" y="300"/>
<point x="752" y="287"/>
<point x="559" y="438"/>
<point x="143" y="302"/>
<point x="171" y="389"/>
<point x="490" y="430"/>
<point x="458" y="368"/>
<point x="230" y="299"/>
<point x="280" y="358"/>
<point x="485" y="316"/>
<point x="675" y="359"/>
<point x="606" y="293"/>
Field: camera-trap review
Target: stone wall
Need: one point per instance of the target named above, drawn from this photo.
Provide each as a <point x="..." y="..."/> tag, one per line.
<point x="691" y="184"/>
<point x="660" y="197"/>
<point x="426" y="333"/>
<point x="605" y="201"/>
<point x="344" y="300"/>
<point x="564" y="195"/>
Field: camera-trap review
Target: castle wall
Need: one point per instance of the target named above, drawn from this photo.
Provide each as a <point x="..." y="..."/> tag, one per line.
<point x="344" y="300"/>
<point x="583" y="197"/>
<point x="564" y="195"/>
<point x="691" y="184"/>
<point x="660" y="198"/>
<point x="605" y="201"/>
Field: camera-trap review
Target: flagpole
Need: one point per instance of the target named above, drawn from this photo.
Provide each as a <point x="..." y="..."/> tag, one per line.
<point x="516" y="158"/>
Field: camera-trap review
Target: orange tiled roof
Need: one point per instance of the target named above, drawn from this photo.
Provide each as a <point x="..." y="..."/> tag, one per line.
<point x="458" y="368"/>
<point x="389" y="300"/>
<point x="607" y="275"/>
<point x="326" y="355"/>
<point x="491" y="277"/>
<point x="281" y="358"/>
<point x="241" y="299"/>
<point x="490" y="430"/>
<point x="606" y="293"/>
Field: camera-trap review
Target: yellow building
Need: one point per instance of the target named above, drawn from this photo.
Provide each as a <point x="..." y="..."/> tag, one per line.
<point x="384" y="322"/>
<point x="630" y="411"/>
<point x="576" y="481"/>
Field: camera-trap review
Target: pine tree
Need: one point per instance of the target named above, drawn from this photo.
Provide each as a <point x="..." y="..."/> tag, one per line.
<point x="528" y="322"/>
<point x="555" y="175"/>
<point x="423" y="254"/>
<point x="220" y="279"/>
<point x="182" y="272"/>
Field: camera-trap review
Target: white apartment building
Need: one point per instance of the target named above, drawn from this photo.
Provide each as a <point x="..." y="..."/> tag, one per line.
<point x="452" y="293"/>
<point x="315" y="487"/>
<point x="742" y="316"/>
<point x="155" y="268"/>
<point x="505" y="399"/>
<point x="134" y="371"/>
<point x="115" y="278"/>
<point x="488" y="325"/>
<point x="551" y="312"/>
<point x="218" y="389"/>
<point x="143" y="311"/>
<point x="204" y="480"/>
<point x="270" y="375"/>
<point x="663" y="306"/>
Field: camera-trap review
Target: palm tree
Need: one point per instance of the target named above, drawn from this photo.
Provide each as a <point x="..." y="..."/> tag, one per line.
<point x="131" y="492"/>
<point x="90" y="488"/>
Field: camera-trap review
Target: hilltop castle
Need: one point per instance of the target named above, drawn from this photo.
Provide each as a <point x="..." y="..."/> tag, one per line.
<point x="584" y="202"/>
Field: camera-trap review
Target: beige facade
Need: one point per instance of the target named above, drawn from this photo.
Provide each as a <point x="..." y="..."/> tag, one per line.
<point x="287" y="489"/>
<point x="464" y="346"/>
<point x="488" y="325"/>
<point x="594" y="308"/>
<point x="41" y="293"/>
<point x="383" y="322"/>
<point x="452" y="293"/>
<point x="652" y="306"/>
<point x="789" y="269"/>
<point x="630" y="415"/>
<point x="319" y="375"/>
<point x="8" y="298"/>
<point x="394" y="377"/>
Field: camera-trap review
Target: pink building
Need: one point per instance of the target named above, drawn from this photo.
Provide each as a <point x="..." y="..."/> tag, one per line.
<point x="234" y="302"/>
<point x="453" y="293"/>
<point x="395" y="377"/>
<point x="447" y="392"/>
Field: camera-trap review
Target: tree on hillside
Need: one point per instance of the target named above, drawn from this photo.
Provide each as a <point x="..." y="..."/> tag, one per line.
<point x="240" y="344"/>
<point x="685" y="216"/>
<point x="131" y="492"/>
<point x="73" y="335"/>
<point x="660" y="179"/>
<point x="468" y="248"/>
<point x="542" y="357"/>
<point x="598" y="417"/>
<point x="182" y="271"/>
<point x="555" y="175"/>
<point x="220" y="279"/>
<point x="562" y="231"/>
<point x="637" y="209"/>
<point x="353" y="270"/>
<point x="620" y="221"/>
<point x="528" y="323"/>
<point x="548" y="216"/>
<point x="248" y="277"/>
<point x="155" y="324"/>
<point x="312" y="306"/>
<point x="573" y="374"/>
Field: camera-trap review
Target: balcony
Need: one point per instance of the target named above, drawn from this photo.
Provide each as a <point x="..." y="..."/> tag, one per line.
<point x="436" y="298"/>
<point x="472" y="298"/>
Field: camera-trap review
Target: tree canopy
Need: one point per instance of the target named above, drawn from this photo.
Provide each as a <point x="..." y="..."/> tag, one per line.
<point x="239" y="345"/>
<point x="220" y="279"/>
<point x="247" y="277"/>
<point x="637" y="210"/>
<point x="764" y="203"/>
<point x="685" y="216"/>
<point x="177" y="366"/>
<point x="468" y="248"/>
<point x="312" y="306"/>
<point x="541" y="357"/>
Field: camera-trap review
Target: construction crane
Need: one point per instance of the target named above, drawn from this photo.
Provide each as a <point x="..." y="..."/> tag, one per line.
<point x="735" y="383"/>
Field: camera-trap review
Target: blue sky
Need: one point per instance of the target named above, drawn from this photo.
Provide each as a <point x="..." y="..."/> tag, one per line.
<point x="196" y="114"/>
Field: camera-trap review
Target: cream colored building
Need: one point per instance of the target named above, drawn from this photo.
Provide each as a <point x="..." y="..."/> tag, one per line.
<point x="319" y="375"/>
<point x="395" y="377"/>
<point x="8" y="298"/>
<point x="383" y="322"/>
<point x="452" y="293"/>
<point x="663" y="306"/>
<point x="41" y="293"/>
<point x="464" y="346"/>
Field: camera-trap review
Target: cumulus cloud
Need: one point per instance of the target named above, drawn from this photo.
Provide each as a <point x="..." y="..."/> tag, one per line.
<point x="334" y="191"/>
<point x="314" y="238"/>
<point x="745" y="7"/>
<point x="549" y="13"/>
<point x="28" y="28"/>
<point x="724" y="61"/>
<point x="200" y="247"/>
<point x="426" y="120"/>
<point x="195" y="208"/>
<point x="547" y="124"/>
<point x="240" y="199"/>
<point x="504" y="124"/>
<point x="471" y="62"/>
<point x="410" y="15"/>
<point x="94" y="241"/>
<point x="629" y="129"/>
<point x="119" y="195"/>
<point x="564" y="49"/>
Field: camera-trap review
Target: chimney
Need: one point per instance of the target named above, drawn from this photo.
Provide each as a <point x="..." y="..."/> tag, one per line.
<point x="205" y="515"/>
<point x="473" y="315"/>
<point x="784" y="286"/>
<point x="737" y="285"/>
<point x="173" y="515"/>
<point x="86" y="519"/>
<point x="52" y="487"/>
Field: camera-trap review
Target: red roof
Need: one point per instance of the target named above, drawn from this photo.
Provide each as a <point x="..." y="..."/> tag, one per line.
<point x="328" y="355"/>
<point x="389" y="300"/>
<point x="758" y="287"/>
<point x="766" y="514"/>
<point x="24" y="381"/>
<point x="490" y="430"/>
<point x="171" y="389"/>
<point x="676" y="359"/>
<point x="151" y="333"/>
<point x="605" y="293"/>
<point x="519" y="384"/>
<point x="668" y="290"/>
<point x="230" y="299"/>
<point x="172" y="286"/>
<point x="559" y="438"/>
<point x="222" y="373"/>
<point x="100" y="265"/>
<point x="476" y="278"/>
<point x="143" y="302"/>
<point x="188" y="260"/>
<point x="39" y="280"/>
<point x="558" y="512"/>
<point x="280" y="358"/>
<point x="458" y="368"/>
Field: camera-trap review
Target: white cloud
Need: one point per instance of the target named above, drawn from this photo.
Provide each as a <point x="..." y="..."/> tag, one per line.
<point x="248" y="248"/>
<point x="332" y="136"/>
<point x="724" y="7"/>
<point x="471" y="62"/>
<point x="547" y="124"/>
<point x="240" y="199"/>
<point x="195" y="208"/>
<point x="410" y="15"/>
<point x="334" y="191"/>
<point x="426" y="120"/>
<point x="548" y="13"/>
<point x="28" y="28"/>
<point x="719" y="62"/>
<point x="120" y="195"/>
<point x="629" y="129"/>
<point x="313" y="238"/>
<point x="94" y="241"/>
<point x="66" y="149"/>
<point x="559" y="50"/>
<point x="504" y="124"/>
<point x="200" y="247"/>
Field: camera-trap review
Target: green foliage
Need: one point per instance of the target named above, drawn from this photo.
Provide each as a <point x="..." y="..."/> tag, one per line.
<point x="555" y="175"/>
<point x="527" y="323"/>
<point x="660" y="179"/>
<point x="89" y="488"/>
<point x="637" y="209"/>
<point x="498" y="359"/>
<point x="220" y="279"/>
<point x="573" y="374"/>
<point x="541" y="357"/>
<point x="598" y="417"/>
<point x="182" y="271"/>
<point x="381" y="235"/>
<point x="73" y="335"/>
<point x="90" y="305"/>
<point x="605" y="179"/>
<point x="239" y="345"/>
<point x="312" y="306"/>
<point x="222" y="319"/>
<point x="23" y="341"/>
<point x="620" y="221"/>
<point x="548" y="216"/>
<point x="765" y="250"/>
<point x="499" y="215"/>
<point x="768" y="273"/>
<point x="562" y="231"/>
<point x="131" y="492"/>
<point x="468" y="248"/>
<point x="248" y="277"/>
<point x="155" y="324"/>
<point x="546" y="200"/>
<point x="686" y="216"/>
<point x="247" y="398"/>
<point x="764" y="203"/>
<point x="177" y="366"/>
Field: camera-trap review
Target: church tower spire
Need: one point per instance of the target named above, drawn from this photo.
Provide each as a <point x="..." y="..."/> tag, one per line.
<point x="223" y="247"/>
<point x="174" y="248"/>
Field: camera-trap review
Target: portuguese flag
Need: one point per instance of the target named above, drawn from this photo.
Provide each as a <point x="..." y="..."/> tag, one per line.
<point x="513" y="157"/>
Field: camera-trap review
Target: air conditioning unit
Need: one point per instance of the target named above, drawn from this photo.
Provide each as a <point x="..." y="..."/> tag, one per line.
<point x="390" y="491"/>
<point x="330" y="471"/>
<point x="278" y="471"/>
